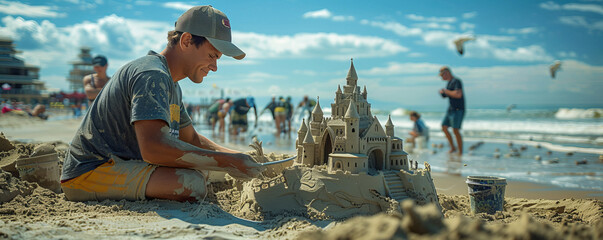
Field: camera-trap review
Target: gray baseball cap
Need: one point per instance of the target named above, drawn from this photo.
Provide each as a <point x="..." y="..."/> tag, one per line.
<point x="211" y="23"/>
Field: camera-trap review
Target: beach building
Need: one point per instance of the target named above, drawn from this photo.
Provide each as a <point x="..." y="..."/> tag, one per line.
<point x="81" y="67"/>
<point x="351" y="139"/>
<point x="19" y="81"/>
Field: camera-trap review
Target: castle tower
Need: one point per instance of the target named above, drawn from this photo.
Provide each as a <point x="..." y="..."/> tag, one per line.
<point x="389" y="127"/>
<point x="316" y="119"/>
<point x="301" y="133"/>
<point x="308" y="149"/>
<point x="352" y="78"/>
<point x="364" y="92"/>
<point x="352" y="130"/>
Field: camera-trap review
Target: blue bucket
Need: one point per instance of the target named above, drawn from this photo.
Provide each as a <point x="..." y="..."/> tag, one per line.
<point x="487" y="194"/>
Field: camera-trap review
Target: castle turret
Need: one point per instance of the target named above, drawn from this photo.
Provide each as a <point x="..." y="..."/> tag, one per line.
<point x="352" y="78"/>
<point x="301" y="133"/>
<point x="316" y="119"/>
<point x="389" y="127"/>
<point x="364" y="92"/>
<point x="352" y="130"/>
<point x="308" y="152"/>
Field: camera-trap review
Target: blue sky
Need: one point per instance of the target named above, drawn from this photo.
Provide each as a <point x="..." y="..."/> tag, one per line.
<point x="303" y="47"/>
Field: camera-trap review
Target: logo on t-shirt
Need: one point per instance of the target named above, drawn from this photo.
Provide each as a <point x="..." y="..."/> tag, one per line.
<point x="175" y="120"/>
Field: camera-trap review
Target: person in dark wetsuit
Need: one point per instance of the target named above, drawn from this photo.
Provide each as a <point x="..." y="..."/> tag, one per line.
<point x="94" y="83"/>
<point x="238" y="114"/>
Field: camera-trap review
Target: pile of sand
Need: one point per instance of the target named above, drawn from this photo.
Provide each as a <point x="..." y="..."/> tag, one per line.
<point x="426" y="222"/>
<point x="29" y="211"/>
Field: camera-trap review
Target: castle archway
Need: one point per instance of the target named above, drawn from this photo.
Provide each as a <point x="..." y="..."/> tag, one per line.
<point x="326" y="148"/>
<point x="376" y="159"/>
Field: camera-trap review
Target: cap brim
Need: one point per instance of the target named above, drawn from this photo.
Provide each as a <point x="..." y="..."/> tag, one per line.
<point x="227" y="48"/>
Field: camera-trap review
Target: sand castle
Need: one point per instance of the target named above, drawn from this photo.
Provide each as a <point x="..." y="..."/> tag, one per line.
<point x="346" y="165"/>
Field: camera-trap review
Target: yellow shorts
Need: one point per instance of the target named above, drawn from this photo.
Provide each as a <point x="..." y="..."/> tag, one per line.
<point x="116" y="179"/>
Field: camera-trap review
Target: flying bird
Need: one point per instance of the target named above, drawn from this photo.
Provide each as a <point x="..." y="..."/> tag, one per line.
<point x="554" y="68"/>
<point x="460" y="41"/>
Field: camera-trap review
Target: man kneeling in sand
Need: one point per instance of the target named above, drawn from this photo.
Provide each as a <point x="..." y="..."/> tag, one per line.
<point x="137" y="141"/>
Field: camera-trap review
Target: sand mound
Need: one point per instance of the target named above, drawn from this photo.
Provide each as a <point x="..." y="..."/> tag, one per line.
<point x="425" y="222"/>
<point x="10" y="152"/>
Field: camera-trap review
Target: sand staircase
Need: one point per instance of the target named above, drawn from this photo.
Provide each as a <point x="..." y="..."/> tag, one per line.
<point x="394" y="186"/>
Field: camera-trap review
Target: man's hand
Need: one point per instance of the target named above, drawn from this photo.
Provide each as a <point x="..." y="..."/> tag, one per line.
<point x="443" y="92"/>
<point x="243" y="166"/>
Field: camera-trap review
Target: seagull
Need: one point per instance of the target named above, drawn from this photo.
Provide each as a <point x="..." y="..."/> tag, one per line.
<point x="554" y="68"/>
<point x="460" y="41"/>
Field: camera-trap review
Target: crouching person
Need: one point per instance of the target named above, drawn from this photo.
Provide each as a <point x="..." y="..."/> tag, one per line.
<point x="137" y="141"/>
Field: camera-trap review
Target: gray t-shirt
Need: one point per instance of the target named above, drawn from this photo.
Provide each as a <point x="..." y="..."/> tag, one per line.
<point x="140" y="90"/>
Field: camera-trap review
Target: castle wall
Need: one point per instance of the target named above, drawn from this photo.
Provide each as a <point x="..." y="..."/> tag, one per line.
<point x="354" y="163"/>
<point x="419" y="185"/>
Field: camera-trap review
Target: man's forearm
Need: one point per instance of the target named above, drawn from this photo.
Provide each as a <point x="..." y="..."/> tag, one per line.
<point x="203" y="142"/>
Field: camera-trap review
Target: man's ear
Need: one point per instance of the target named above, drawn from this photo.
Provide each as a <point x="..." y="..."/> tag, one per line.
<point x="185" y="40"/>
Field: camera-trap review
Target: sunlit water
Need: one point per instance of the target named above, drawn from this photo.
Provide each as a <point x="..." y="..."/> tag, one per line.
<point x="496" y="128"/>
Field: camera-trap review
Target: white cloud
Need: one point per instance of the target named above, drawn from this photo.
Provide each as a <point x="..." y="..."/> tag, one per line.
<point x="484" y="47"/>
<point x="22" y="9"/>
<point x="309" y="45"/>
<point x="580" y="21"/>
<point x="573" y="7"/>
<point x="469" y="15"/>
<point x="394" y="27"/>
<point x="526" y="30"/>
<point x="178" y="5"/>
<point x="52" y="47"/>
<point x="467" y="26"/>
<point x="570" y="54"/>
<point x="323" y="13"/>
<point x="431" y="19"/>
<point x="396" y="68"/>
<point x="434" y="25"/>
<point x="326" y="14"/>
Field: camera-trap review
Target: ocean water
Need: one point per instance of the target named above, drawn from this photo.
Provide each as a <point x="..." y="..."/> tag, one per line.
<point x="568" y="142"/>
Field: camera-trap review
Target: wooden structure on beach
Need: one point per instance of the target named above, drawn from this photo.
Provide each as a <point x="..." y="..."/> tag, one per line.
<point x="19" y="81"/>
<point x="81" y="67"/>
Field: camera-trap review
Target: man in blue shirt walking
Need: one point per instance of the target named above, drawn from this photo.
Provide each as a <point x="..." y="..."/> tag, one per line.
<point x="456" y="110"/>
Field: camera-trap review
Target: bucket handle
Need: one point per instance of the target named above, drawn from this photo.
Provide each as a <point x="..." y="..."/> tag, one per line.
<point x="482" y="192"/>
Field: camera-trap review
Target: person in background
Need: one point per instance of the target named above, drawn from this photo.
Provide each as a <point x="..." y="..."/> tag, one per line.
<point x="306" y="105"/>
<point x="456" y="108"/>
<point x="224" y="109"/>
<point x="280" y="113"/>
<point x="270" y="106"/>
<point x="95" y="82"/>
<point x="238" y="114"/>
<point x="419" y="128"/>
<point x="289" y="108"/>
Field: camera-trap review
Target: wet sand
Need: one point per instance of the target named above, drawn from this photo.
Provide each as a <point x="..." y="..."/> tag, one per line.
<point x="35" y="212"/>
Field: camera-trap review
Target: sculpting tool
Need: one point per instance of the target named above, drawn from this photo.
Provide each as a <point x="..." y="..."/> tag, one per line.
<point x="279" y="161"/>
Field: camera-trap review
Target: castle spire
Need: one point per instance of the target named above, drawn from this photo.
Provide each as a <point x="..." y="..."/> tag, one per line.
<point x="309" y="138"/>
<point x="364" y="92"/>
<point x="317" y="109"/>
<point x="389" y="121"/>
<point x="352" y="77"/>
<point x="303" y="128"/>
<point x="351" y="112"/>
<point x="389" y="127"/>
<point x="338" y="88"/>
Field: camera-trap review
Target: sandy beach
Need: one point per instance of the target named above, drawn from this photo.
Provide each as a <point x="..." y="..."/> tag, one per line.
<point x="28" y="211"/>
